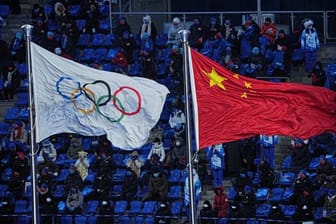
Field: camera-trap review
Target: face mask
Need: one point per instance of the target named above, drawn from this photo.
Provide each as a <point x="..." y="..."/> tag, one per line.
<point x="156" y="175"/>
<point x="134" y="157"/>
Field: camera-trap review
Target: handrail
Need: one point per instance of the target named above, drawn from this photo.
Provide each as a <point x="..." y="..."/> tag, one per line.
<point x="223" y="13"/>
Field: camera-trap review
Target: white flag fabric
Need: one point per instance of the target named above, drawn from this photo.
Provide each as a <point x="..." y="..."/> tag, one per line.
<point x="72" y="98"/>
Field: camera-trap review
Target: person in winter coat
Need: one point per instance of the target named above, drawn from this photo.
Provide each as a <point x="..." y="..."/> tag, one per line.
<point x="130" y="185"/>
<point x="147" y="56"/>
<point x="221" y="202"/>
<point x="121" y="27"/>
<point x="300" y="154"/>
<point x="74" y="201"/>
<point x="233" y="152"/>
<point x="214" y="28"/>
<point x="302" y="184"/>
<point x="329" y="207"/>
<point x="323" y="170"/>
<point x="135" y="163"/>
<point x="269" y="30"/>
<point x="305" y="206"/>
<point x="207" y="213"/>
<point x="197" y="187"/>
<point x="102" y="186"/>
<point x="148" y="27"/>
<point x="74" y="148"/>
<point x="268" y="144"/>
<point x="249" y="38"/>
<point x="197" y="34"/>
<point x="216" y="156"/>
<point x="318" y="75"/>
<point x="157" y="187"/>
<point x="73" y="180"/>
<point x="267" y="175"/>
<point x="310" y="44"/>
<point x="157" y="148"/>
<point x="18" y="48"/>
<point x="82" y="164"/>
<point x="173" y="35"/>
<point x="11" y="79"/>
<point x="21" y="164"/>
<point x="128" y="45"/>
<point x="48" y="151"/>
<point x="19" y="133"/>
<point x="282" y="43"/>
<point x="248" y="202"/>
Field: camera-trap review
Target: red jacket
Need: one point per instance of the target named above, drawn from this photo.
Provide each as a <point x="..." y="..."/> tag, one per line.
<point x="221" y="202"/>
<point x="269" y="31"/>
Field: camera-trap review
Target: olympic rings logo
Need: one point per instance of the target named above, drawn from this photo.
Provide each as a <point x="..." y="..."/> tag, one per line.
<point x="65" y="88"/>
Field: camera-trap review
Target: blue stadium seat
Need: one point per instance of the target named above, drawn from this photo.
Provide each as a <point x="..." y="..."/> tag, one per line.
<point x="63" y="175"/>
<point x="318" y="213"/>
<point x="162" y="70"/>
<point x="23" y="220"/>
<point x="232" y="193"/>
<point x="87" y="190"/>
<point x="6" y="175"/>
<point x="287" y="178"/>
<point x="20" y="206"/>
<point x="110" y="40"/>
<point x="276" y="194"/>
<point x="135" y="207"/>
<point x="161" y="40"/>
<point x="288" y="194"/>
<point x="73" y="10"/>
<point x="263" y="210"/>
<point x="99" y="54"/>
<point x="135" y="69"/>
<point x="4" y="11"/>
<point x="4" y="129"/>
<point x="289" y="210"/>
<point x="61" y="207"/>
<point x="118" y="158"/>
<point x="97" y="40"/>
<point x="175" y="176"/>
<point x="120" y="207"/>
<point x="3" y="189"/>
<point x="52" y="25"/>
<point x="84" y="40"/>
<point x="124" y="219"/>
<point x="104" y="25"/>
<point x="86" y="55"/>
<point x="116" y="191"/>
<point x="175" y="192"/>
<point x="149" y="220"/>
<point x="108" y="67"/>
<point x="12" y="114"/>
<point x="59" y="191"/>
<point x="111" y="53"/>
<point x="48" y="10"/>
<point x="176" y="207"/>
<point x="23" y="69"/>
<point x="81" y="219"/>
<point x="262" y="193"/>
<point x="66" y="220"/>
<point x="22" y="99"/>
<point x="91" y="207"/>
<point x="80" y="24"/>
<point x="149" y="207"/>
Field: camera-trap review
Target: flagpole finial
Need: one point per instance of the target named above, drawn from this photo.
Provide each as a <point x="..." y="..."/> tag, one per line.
<point x="27" y="29"/>
<point x="184" y="35"/>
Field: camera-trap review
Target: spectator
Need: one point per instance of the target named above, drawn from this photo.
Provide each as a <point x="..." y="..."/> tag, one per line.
<point x="15" y="7"/>
<point x="16" y="185"/>
<point x="102" y="186"/>
<point x="21" y="164"/>
<point x="207" y="213"/>
<point x="267" y="175"/>
<point x="305" y="207"/>
<point x="176" y="66"/>
<point x="254" y="64"/>
<point x="18" y="48"/>
<point x="19" y="133"/>
<point x="129" y="46"/>
<point x="60" y="14"/>
<point x="329" y="207"/>
<point x="173" y="35"/>
<point x="69" y="38"/>
<point x="92" y="18"/>
<point x="50" y="43"/>
<point x="248" y="202"/>
<point x="45" y="178"/>
<point x="276" y="213"/>
<point x="7" y="207"/>
<point x="135" y="163"/>
<point x="163" y="213"/>
<point x="48" y="151"/>
<point x="177" y="118"/>
<point x="318" y="75"/>
<point x="302" y="184"/>
<point x="242" y="180"/>
<point x="147" y="56"/>
<point x="300" y="154"/>
<point x="233" y="158"/>
<point x="176" y="157"/>
<point x="214" y="28"/>
<point x="249" y="38"/>
<point x="103" y="162"/>
<point x="197" y="189"/>
<point x="49" y="164"/>
<point x="269" y="30"/>
<point x="121" y="27"/>
<point x="228" y="30"/>
<point x="148" y="27"/>
<point x="323" y="170"/>
<point x="39" y="31"/>
<point x="105" y="209"/>
<point x="268" y="144"/>
<point x="216" y="155"/>
<point x="249" y="154"/>
<point x="310" y="43"/>
<point x="73" y="180"/>
<point x="197" y="34"/>
<point x="130" y="185"/>
<point x="282" y="43"/>
<point x="82" y="164"/>
<point x="38" y="13"/>
<point x="158" y="187"/>
<point x="74" y="201"/>
<point x="156" y="132"/>
<point x="5" y="60"/>
<point x="74" y="148"/>
<point x="157" y="148"/>
<point x="12" y="82"/>
<point x="120" y="61"/>
<point x="221" y="202"/>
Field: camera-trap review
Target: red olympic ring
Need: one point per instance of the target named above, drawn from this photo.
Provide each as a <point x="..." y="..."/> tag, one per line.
<point x="121" y="110"/>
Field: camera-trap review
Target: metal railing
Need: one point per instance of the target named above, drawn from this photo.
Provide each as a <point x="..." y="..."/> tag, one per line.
<point x="324" y="21"/>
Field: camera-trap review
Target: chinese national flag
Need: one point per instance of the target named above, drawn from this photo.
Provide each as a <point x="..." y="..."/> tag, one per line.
<point x="228" y="106"/>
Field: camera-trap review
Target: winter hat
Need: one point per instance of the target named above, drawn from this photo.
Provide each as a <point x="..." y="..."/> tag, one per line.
<point x="176" y="21"/>
<point x="308" y="23"/>
<point x="206" y="204"/>
<point x="147" y="19"/>
<point x="255" y="51"/>
<point x="268" y="19"/>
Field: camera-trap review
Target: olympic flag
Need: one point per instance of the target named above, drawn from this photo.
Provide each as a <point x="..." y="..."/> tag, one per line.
<point x="73" y="98"/>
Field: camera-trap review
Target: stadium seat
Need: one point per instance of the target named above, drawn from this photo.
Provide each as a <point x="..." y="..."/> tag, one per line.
<point x="176" y="207"/>
<point x="120" y="207"/>
<point x="86" y="55"/>
<point x="110" y="40"/>
<point x="97" y="40"/>
<point x="232" y="193"/>
<point x="175" y="176"/>
<point x="52" y="25"/>
<point x="84" y="40"/>
<point x="135" y="207"/>
<point x="23" y="69"/>
<point x="6" y="174"/>
<point x="289" y="210"/>
<point x="263" y="210"/>
<point x="80" y="24"/>
<point x="111" y="53"/>
<point x="162" y="70"/>
<point x="20" y="206"/>
<point x="87" y="190"/>
<point x="4" y="11"/>
<point x="81" y="219"/>
<point x="23" y="220"/>
<point x="175" y="192"/>
<point x="73" y="11"/>
<point x="108" y="67"/>
<point x="276" y="194"/>
<point x="104" y="26"/>
<point x="66" y="220"/>
<point x="12" y="114"/>
<point x="161" y="40"/>
<point x="59" y="191"/>
<point x="288" y="194"/>
<point x="124" y="219"/>
<point x="287" y="178"/>
<point x="119" y="159"/>
<point x="135" y="69"/>
<point x="262" y="193"/>
<point x="318" y="213"/>
<point x="116" y="191"/>
<point x="3" y="189"/>
<point x="22" y="99"/>
<point x="4" y="129"/>
<point x="149" y="220"/>
<point x="149" y="207"/>
<point x="98" y="54"/>
<point x="48" y="10"/>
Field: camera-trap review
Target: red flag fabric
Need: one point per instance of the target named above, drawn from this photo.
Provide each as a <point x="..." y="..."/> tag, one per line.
<point x="229" y="106"/>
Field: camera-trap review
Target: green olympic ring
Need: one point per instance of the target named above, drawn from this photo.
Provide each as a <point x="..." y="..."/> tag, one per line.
<point x="107" y="117"/>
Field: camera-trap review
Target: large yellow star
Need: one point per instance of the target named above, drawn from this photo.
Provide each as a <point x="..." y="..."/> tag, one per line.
<point x="215" y="79"/>
<point x="248" y="85"/>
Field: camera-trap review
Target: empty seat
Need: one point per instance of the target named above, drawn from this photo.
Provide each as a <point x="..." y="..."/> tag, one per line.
<point x="135" y="207"/>
<point x="110" y="40"/>
<point x="262" y="193"/>
<point x="86" y="55"/>
<point x="21" y="206"/>
<point x="84" y="40"/>
<point x="97" y="40"/>
<point x="120" y="207"/>
<point x="73" y="10"/>
<point x="80" y="24"/>
<point x="99" y="54"/>
<point x="104" y="25"/>
<point x="4" y="11"/>
<point x="22" y="99"/>
<point x="149" y="207"/>
<point x="263" y="210"/>
<point x="4" y="129"/>
<point x="111" y="53"/>
<point x="276" y="194"/>
<point x="287" y="178"/>
<point x="12" y="114"/>
<point x="175" y="176"/>
<point x="176" y="207"/>
<point x="175" y="192"/>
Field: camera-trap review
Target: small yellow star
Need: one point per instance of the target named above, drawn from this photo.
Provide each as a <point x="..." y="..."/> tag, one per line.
<point x="215" y="79"/>
<point x="236" y="76"/>
<point x="244" y="95"/>
<point x="248" y="85"/>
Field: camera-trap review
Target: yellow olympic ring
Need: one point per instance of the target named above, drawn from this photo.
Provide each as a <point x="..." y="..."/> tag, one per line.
<point x="72" y="98"/>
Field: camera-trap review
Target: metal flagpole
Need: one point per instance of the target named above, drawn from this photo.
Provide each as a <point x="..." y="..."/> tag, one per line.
<point x="192" y="218"/>
<point x="27" y="28"/>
